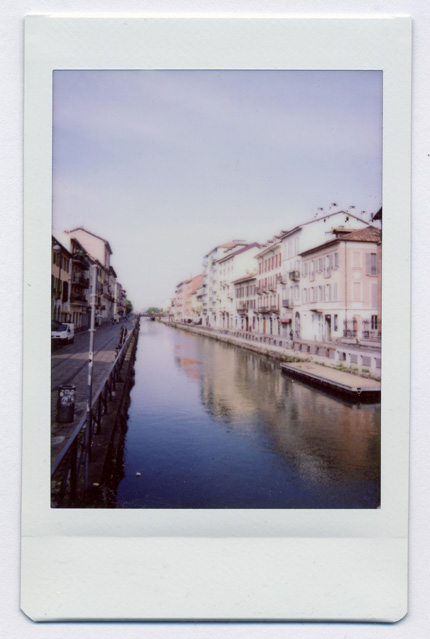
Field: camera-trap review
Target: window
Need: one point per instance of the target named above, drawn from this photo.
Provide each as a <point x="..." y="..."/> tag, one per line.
<point x="336" y="260"/>
<point x="319" y="293"/>
<point x="304" y="269"/>
<point x="336" y="322"/>
<point x="374" y="322"/>
<point x="371" y="264"/>
<point x="312" y="270"/>
<point x="319" y="265"/>
<point x="305" y="295"/>
<point x="335" y="292"/>
<point x="327" y="293"/>
<point x="312" y="294"/>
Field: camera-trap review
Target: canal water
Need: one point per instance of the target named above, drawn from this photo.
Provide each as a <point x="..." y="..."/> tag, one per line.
<point x="216" y="426"/>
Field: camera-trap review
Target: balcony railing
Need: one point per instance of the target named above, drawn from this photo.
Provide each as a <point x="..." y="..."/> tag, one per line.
<point x="294" y="276"/>
<point x="80" y="280"/>
<point x="286" y="303"/>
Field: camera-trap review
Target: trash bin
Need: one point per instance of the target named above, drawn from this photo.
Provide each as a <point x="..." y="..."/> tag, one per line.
<point x="66" y="403"/>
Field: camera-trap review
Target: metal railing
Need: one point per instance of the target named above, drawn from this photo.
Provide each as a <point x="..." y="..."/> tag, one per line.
<point x="75" y="456"/>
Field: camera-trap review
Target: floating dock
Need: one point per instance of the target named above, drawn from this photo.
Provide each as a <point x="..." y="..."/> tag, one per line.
<point x="347" y="385"/>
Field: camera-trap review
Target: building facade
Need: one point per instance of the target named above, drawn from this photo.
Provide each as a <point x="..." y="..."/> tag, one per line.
<point x="211" y="296"/>
<point x="294" y="243"/>
<point x="235" y="263"/>
<point x="74" y="254"/>
<point x="245" y="298"/>
<point x="340" y="288"/>
<point x="269" y="287"/>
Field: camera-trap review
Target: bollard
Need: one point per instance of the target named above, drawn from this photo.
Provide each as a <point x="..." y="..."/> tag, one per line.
<point x="66" y="403"/>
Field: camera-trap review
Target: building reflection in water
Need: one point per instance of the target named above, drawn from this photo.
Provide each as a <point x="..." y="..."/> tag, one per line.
<point x="325" y="438"/>
<point x="216" y="426"/>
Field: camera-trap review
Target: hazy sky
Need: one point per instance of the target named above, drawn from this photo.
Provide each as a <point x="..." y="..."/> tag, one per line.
<point x="165" y="165"/>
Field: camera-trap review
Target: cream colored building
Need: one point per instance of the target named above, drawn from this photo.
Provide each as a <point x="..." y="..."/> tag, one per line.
<point x="237" y="262"/>
<point x="269" y="287"/>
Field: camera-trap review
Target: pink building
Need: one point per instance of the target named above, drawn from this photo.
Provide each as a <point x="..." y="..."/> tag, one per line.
<point x="191" y="287"/>
<point x="179" y="302"/>
<point x="340" y="288"/>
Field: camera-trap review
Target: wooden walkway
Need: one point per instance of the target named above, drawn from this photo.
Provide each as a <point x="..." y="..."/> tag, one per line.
<point x="331" y="379"/>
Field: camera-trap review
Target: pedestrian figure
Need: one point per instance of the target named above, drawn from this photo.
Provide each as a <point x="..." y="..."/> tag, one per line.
<point x="291" y="335"/>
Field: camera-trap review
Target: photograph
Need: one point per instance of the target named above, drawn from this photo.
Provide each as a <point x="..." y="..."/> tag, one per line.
<point x="216" y="289"/>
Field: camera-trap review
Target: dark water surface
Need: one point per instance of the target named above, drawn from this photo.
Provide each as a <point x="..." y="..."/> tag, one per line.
<point x="215" y="426"/>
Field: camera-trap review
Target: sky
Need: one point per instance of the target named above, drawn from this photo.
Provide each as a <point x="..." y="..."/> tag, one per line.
<point x="165" y="165"/>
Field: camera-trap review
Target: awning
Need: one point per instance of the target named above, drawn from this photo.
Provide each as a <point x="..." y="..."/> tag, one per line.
<point x="285" y="321"/>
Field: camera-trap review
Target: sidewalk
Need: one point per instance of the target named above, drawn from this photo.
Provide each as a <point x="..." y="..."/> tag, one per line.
<point x="70" y="365"/>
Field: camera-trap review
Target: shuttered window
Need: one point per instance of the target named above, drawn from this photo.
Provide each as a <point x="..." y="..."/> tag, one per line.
<point x="371" y="264"/>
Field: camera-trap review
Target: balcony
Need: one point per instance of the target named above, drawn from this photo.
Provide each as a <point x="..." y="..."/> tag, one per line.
<point x="80" y="280"/>
<point x="264" y="309"/>
<point x="274" y="309"/>
<point x="286" y="303"/>
<point x="294" y="276"/>
<point x="260" y="291"/>
<point x="78" y="257"/>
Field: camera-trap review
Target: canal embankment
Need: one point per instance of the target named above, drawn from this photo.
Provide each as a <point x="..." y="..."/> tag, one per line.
<point x="323" y="371"/>
<point x="86" y="458"/>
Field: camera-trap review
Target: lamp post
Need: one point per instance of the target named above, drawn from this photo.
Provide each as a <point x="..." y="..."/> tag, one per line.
<point x="92" y="330"/>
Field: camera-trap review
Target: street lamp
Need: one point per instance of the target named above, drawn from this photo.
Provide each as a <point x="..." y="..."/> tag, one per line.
<point x="92" y="330"/>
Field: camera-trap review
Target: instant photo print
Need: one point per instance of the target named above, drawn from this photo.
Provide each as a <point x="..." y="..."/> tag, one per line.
<point x="217" y="224"/>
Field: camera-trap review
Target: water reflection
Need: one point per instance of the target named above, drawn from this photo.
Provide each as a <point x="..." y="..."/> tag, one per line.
<point x="214" y="426"/>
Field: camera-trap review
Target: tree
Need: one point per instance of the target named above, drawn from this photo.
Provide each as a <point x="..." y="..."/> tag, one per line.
<point x="128" y="307"/>
<point x="153" y="309"/>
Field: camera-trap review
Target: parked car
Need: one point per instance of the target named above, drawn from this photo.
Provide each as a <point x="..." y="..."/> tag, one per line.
<point x="63" y="334"/>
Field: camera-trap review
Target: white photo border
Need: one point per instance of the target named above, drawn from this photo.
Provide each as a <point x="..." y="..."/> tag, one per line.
<point x="216" y="564"/>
